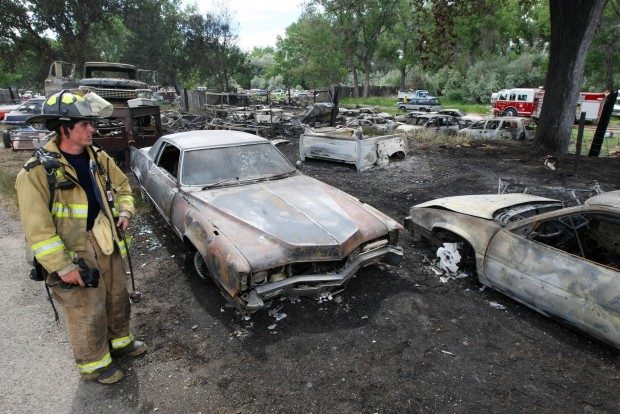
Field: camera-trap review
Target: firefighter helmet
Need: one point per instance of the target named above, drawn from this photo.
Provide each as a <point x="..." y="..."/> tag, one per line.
<point x="73" y="106"/>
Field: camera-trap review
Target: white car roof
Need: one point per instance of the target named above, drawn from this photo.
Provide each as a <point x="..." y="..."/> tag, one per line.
<point x="211" y="138"/>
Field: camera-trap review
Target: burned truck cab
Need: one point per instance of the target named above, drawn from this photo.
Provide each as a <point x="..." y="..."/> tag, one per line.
<point x="136" y="119"/>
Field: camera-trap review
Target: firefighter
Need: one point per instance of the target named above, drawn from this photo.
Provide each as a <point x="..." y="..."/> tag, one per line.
<point x="74" y="203"/>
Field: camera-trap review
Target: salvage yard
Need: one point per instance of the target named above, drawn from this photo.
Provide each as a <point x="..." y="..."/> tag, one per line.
<point x="396" y="340"/>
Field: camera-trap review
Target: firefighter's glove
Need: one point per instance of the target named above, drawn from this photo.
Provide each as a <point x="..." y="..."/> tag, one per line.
<point x="89" y="275"/>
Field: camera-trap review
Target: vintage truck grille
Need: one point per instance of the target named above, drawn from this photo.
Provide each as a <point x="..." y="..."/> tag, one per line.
<point x="123" y="93"/>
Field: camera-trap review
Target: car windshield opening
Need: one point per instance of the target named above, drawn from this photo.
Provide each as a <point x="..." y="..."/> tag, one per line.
<point x="210" y="166"/>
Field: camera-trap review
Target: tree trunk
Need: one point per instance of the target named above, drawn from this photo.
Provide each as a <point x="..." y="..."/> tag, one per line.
<point x="403" y="78"/>
<point x="611" y="49"/>
<point x="356" y="91"/>
<point x="573" y="24"/>
<point x="367" y="70"/>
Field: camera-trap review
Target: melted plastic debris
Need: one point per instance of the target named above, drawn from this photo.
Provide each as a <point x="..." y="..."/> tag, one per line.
<point x="325" y="297"/>
<point x="241" y="332"/>
<point x="496" y="305"/>
<point x="275" y="314"/>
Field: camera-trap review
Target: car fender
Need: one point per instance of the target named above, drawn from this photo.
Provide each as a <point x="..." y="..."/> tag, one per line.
<point x="478" y="233"/>
<point x="138" y="162"/>
<point x="226" y="264"/>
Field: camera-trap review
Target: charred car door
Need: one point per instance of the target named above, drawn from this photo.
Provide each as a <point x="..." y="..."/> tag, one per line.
<point x="566" y="267"/>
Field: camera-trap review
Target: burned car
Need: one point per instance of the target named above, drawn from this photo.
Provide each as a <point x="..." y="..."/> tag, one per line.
<point x="502" y="127"/>
<point x="455" y="112"/>
<point x="436" y="123"/>
<point x="256" y="225"/>
<point x="561" y="262"/>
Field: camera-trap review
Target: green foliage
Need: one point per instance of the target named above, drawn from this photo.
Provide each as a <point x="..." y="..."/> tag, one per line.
<point x="604" y="55"/>
<point x="111" y="44"/>
<point x="8" y="79"/>
<point x="462" y="50"/>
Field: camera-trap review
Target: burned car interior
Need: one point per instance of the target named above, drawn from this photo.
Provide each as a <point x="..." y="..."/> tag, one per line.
<point x="592" y="236"/>
<point x="169" y="160"/>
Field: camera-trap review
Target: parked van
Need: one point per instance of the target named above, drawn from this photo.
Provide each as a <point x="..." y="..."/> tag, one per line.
<point x="502" y="127"/>
<point x="429" y="104"/>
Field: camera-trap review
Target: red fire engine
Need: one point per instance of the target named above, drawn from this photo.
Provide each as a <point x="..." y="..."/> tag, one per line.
<point x="528" y="102"/>
<point x="519" y="102"/>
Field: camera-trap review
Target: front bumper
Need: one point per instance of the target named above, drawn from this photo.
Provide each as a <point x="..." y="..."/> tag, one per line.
<point x="315" y="285"/>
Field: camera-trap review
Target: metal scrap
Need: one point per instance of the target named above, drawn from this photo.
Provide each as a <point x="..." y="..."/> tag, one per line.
<point x="349" y="145"/>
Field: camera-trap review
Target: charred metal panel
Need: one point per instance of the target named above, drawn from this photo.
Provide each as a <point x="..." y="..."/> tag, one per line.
<point x="347" y="145"/>
<point x="297" y="219"/>
<point x="557" y="284"/>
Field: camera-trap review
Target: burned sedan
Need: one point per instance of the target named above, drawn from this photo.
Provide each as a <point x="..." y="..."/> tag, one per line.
<point x="255" y="224"/>
<point x="561" y="262"/>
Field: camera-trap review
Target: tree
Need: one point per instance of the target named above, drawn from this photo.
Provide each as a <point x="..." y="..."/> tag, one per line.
<point x="604" y="56"/>
<point x="311" y="53"/>
<point x="361" y="23"/>
<point x="72" y="22"/>
<point x="225" y="58"/>
<point x="573" y="25"/>
<point x="36" y="32"/>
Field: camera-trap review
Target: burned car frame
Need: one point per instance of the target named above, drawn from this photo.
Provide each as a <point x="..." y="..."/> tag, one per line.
<point x="561" y="262"/>
<point x="348" y="145"/>
<point x="259" y="227"/>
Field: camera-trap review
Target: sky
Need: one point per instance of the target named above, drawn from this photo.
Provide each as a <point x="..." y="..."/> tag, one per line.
<point x="259" y="21"/>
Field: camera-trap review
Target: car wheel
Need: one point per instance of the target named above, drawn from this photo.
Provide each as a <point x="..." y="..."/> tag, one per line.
<point x="6" y="138"/>
<point x="449" y="257"/>
<point x="201" y="266"/>
<point x="455" y="254"/>
<point x="510" y="112"/>
<point x="402" y="108"/>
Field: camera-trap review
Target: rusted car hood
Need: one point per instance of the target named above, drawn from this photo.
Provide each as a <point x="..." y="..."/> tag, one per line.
<point x="298" y="215"/>
<point x="483" y="205"/>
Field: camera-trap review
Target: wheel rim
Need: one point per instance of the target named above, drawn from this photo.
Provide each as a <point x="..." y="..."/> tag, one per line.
<point x="449" y="257"/>
<point x="200" y="266"/>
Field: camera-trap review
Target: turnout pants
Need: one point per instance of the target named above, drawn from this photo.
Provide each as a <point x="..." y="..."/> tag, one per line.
<point x="97" y="318"/>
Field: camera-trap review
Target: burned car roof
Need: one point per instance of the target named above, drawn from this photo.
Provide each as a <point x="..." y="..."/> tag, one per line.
<point x="205" y="139"/>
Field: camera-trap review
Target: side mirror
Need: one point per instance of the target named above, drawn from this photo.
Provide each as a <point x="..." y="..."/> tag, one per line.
<point x="299" y="165"/>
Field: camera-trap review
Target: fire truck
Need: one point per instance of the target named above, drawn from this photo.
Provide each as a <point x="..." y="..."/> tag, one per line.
<point x="528" y="102"/>
<point x="519" y="102"/>
<point x="592" y="104"/>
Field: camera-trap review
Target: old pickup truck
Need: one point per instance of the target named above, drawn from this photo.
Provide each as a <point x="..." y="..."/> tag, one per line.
<point x="255" y="224"/>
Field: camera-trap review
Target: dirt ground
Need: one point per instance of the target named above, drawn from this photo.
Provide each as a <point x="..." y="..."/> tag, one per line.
<point x="397" y="340"/>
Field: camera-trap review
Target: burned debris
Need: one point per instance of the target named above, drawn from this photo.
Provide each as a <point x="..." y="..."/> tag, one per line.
<point x="356" y="136"/>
